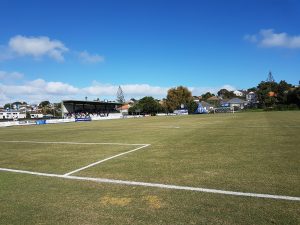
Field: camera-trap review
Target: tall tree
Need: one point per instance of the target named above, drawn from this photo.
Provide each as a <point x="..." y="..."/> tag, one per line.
<point x="253" y="89"/>
<point x="293" y="96"/>
<point x="207" y="95"/>
<point x="270" y="77"/>
<point x="164" y="106"/>
<point x="7" y="106"/>
<point x="192" y="106"/>
<point x="56" y="109"/>
<point x="178" y="96"/>
<point x="149" y="105"/>
<point x="45" y="106"/>
<point x="224" y="93"/>
<point x="120" y="95"/>
<point x="266" y="93"/>
<point x="282" y="90"/>
<point x="146" y="105"/>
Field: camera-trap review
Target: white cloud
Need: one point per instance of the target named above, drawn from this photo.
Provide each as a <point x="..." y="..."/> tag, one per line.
<point x="144" y="89"/>
<point x="131" y="90"/>
<point x="3" y="98"/>
<point x="58" y="88"/>
<point x="228" y="87"/>
<point x="37" y="47"/>
<point x="86" y="57"/>
<point x="36" y="83"/>
<point x="5" y="53"/>
<point x="41" y="46"/>
<point x="39" y="87"/>
<point x="251" y="38"/>
<point x="268" y="38"/>
<point x="10" y="75"/>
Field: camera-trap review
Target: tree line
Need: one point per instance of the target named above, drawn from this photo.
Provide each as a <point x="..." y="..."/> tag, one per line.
<point x="176" y="97"/>
<point x="270" y="95"/>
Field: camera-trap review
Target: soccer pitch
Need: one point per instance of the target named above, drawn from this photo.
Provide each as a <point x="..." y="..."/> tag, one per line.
<point x="238" y="168"/>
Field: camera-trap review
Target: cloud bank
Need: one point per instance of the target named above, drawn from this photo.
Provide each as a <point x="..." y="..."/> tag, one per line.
<point x="38" y="90"/>
<point x="267" y="38"/>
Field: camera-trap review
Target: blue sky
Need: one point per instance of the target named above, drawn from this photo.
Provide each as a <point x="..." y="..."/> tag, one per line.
<point x="56" y="50"/>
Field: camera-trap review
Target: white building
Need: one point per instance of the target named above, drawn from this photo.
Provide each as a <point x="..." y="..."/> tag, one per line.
<point x="238" y="93"/>
<point x="36" y="115"/>
<point x="236" y="102"/>
<point x="124" y="108"/>
<point x="12" y="115"/>
<point x="251" y="97"/>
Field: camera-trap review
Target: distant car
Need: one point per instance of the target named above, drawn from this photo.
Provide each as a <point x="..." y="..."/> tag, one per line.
<point x="48" y="116"/>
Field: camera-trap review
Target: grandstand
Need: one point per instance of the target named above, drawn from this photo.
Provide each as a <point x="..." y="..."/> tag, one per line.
<point x="73" y="107"/>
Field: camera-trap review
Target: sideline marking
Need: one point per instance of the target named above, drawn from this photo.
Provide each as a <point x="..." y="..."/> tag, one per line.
<point x="164" y="186"/>
<point x="70" y="143"/>
<point x="170" y="127"/>
<point x="106" y="159"/>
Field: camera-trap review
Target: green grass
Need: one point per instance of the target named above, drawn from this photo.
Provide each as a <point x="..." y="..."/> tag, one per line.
<point x="54" y="158"/>
<point x="248" y="152"/>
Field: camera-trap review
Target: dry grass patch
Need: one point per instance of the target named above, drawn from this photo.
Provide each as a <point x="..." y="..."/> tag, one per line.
<point x="116" y="201"/>
<point x="153" y="201"/>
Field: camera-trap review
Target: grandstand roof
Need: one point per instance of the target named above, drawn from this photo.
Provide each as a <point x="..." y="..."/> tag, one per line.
<point x="91" y="102"/>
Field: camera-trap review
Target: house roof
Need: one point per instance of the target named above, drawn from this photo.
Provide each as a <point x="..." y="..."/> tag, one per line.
<point x="124" y="107"/>
<point x="213" y="98"/>
<point x="236" y="101"/>
<point x="9" y="111"/>
<point x="205" y="104"/>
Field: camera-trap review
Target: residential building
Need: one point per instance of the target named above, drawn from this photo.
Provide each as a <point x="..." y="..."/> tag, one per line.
<point x="124" y="108"/>
<point x="251" y="97"/>
<point x="214" y="101"/>
<point x="12" y="115"/>
<point x="238" y="93"/>
<point x="208" y="107"/>
<point x="236" y="103"/>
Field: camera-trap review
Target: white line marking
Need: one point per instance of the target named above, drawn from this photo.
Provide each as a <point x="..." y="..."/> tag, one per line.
<point x="103" y="160"/>
<point x="170" y="127"/>
<point x="164" y="186"/>
<point x="70" y="143"/>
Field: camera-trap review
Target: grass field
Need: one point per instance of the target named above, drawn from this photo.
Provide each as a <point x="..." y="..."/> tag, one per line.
<point x="245" y="152"/>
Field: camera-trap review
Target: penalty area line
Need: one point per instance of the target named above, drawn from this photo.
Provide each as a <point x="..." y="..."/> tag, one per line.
<point x="106" y="159"/>
<point x="157" y="185"/>
<point x="71" y="143"/>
